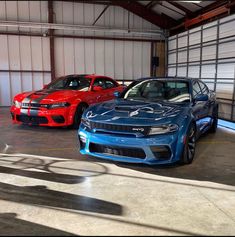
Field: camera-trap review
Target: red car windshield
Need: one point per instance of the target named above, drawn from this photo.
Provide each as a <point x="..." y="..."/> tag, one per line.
<point x="71" y="83"/>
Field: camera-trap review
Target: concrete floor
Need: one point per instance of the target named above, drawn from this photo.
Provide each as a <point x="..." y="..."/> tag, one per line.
<point x="48" y="188"/>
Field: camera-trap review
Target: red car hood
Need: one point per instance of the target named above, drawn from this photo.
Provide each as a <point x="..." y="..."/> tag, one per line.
<point x="47" y="96"/>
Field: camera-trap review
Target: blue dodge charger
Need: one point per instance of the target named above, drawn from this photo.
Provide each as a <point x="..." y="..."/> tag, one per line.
<point x="153" y="121"/>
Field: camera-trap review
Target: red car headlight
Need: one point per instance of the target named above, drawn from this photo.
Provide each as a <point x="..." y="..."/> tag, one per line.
<point x="59" y="105"/>
<point x="17" y="104"/>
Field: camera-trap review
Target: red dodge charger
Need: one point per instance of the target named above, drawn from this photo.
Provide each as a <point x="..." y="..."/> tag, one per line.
<point x="62" y="102"/>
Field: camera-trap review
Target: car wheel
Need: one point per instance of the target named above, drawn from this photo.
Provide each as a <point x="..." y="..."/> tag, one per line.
<point x="78" y="115"/>
<point x="214" y="124"/>
<point x="189" y="146"/>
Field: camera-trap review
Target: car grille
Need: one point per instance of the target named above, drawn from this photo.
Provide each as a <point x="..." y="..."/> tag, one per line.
<point x="120" y="128"/>
<point x="118" y="151"/>
<point x="34" y="106"/>
<point x="31" y="119"/>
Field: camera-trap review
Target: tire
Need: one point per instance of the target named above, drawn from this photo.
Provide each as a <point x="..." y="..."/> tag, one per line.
<point x="189" y="146"/>
<point x="214" y="124"/>
<point x="78" y="115"/>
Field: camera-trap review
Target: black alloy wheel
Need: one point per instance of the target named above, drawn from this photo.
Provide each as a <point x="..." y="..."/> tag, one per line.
<point x="78" y="115"/>
<point x="214" y="124"/>
<point x="189" y="146"/>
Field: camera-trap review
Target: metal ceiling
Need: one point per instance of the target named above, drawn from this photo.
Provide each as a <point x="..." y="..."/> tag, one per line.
<point x="174" y="15"/>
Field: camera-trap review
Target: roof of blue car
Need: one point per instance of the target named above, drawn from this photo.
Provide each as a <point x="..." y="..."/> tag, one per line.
<point x="164" y="78"/>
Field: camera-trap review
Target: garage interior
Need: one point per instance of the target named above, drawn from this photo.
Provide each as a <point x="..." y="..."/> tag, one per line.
<point x="47" y="187"/>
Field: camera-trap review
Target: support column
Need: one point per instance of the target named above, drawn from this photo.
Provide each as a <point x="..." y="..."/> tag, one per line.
<point x="52" y="43"/>
<point x="160" y="53"/>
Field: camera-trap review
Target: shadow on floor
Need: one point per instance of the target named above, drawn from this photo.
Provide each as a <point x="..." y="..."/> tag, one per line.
<point x="41" y="196"/>
<point x="49" y="170"/>
<point x="52" y="177"/>
<point x="10" y="225"/>
<point x="214" y="162"/>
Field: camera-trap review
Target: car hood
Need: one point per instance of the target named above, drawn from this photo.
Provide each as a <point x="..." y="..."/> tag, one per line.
<point x="47" y="96"/>
<point x="122" y="111"/>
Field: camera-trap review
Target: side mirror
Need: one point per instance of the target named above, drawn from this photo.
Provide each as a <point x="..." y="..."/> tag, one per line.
<point x="44" y="86"/>
<point x="97" y="88"/>
<point x="202" y="97"/>
<point x="116" y="94"/>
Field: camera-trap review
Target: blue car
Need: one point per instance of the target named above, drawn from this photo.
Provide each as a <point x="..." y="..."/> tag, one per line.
<point x="153" y="121"/>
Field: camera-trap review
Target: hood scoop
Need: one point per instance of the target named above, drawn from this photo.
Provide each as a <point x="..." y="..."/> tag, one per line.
<point x="125" y="108"/>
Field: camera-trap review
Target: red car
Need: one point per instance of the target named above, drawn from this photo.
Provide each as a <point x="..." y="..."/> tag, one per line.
<point x="62" y="102"/>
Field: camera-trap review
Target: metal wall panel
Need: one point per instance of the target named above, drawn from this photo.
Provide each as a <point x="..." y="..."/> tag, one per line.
<point x="209" y="54"/>
<point x="117" y="59"/>
<point x="25" y="53"/>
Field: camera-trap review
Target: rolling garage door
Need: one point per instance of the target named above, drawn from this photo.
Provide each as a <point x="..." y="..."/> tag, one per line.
<point x="208" y="52"/>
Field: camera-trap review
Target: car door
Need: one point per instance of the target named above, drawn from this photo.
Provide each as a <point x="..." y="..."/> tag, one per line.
<point x="208" y="107"/>
<point x="200" y="110"/>
<point x="110" y="87"/>
<point x="99" y="95"/>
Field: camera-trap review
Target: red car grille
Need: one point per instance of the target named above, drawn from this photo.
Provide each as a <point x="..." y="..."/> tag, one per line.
<point x="32" y="119"/>
<point x="33" y="106"/>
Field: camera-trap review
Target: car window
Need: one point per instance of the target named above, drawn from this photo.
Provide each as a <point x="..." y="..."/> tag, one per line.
<point x="196" y="89"/>
<point x="99" y="82"/>
<point x="159" y="90"/>
<point x="110" y="84"/>
<point x="204" y="88"/>
<point x="71" y="82"/>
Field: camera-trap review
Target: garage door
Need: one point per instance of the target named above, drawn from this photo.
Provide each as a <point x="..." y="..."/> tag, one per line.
<point x="208" y="52"/>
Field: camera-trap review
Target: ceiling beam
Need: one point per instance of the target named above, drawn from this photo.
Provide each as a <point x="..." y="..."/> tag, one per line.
<point x="140" y="10"/>
<point x="151" y="4"/>
<point x="208" y="15"/>
<point x="182" y="8"/>
<point x="213" y="11"/>
<point x="169" y="8"/>
<point x="100" y="15"/>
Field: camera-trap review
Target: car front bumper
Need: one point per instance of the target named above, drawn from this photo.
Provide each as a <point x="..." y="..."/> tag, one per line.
<point x="158" y="149"/>
<point x="43" y="117"/>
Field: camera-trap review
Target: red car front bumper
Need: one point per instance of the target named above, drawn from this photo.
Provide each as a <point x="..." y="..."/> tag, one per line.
<point x="43" y="117"/>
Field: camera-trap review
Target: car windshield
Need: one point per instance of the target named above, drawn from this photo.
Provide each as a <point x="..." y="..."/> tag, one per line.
<point x="159" y="90"/>
<point x="71" y="83"/>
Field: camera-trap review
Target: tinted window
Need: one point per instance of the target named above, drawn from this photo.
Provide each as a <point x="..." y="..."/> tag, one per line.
<point x="72" y="83"/>
<point x="196" y="89"/>
<point x="154" y="90"/>
<point x="109" y="84"/>
<point x="99" y="82"/>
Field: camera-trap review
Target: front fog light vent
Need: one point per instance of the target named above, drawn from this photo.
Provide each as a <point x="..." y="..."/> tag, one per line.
<point x="161" y="152"/>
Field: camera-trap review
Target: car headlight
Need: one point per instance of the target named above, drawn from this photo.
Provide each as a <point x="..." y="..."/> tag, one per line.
<point x="163" y="129"/>
<point x="59" y="105"/>
<point x="17" y="104"/>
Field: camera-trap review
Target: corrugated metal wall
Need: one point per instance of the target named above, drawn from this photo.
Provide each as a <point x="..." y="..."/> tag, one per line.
<point x="27" y="54"/>
<point x="22" y="53"/>
<point x="114" y="58"/>
<point x="117" y="59"/>
<point x="208" y="52"/>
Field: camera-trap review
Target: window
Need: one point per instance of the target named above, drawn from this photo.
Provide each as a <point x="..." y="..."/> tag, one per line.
<point x="159" y="90"/>
<point x="100" y="82"/>
<point x="71" y="82"/>
<point x="105" y="83"/>
<point x="196" y="89"/>
<point x="110" y="84"/>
